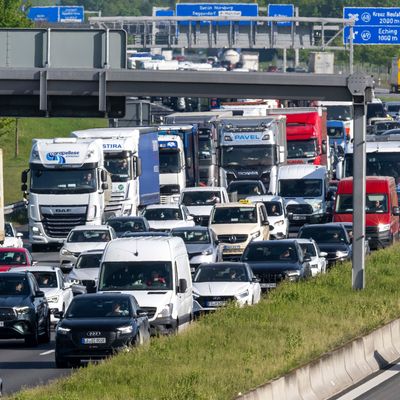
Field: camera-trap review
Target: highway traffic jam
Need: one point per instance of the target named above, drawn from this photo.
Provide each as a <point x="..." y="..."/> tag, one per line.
<point x="158" y="225"/>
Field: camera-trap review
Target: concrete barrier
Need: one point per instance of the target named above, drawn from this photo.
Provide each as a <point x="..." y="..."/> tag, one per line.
<point x="335" y="371"/>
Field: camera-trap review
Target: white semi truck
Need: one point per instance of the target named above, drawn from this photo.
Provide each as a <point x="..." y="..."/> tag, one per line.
<point x="68" y="186"/>
<point x="131" y="158"/>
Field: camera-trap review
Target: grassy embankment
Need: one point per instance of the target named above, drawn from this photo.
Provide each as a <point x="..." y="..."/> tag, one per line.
<point x="234" y="349"/>
<point x="29" y="128"/>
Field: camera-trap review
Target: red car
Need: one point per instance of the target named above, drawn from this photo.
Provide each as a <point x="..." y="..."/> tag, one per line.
<point x="11" y="257"/>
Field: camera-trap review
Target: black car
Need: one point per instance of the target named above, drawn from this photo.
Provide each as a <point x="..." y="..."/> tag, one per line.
<point x="126" y="225"/>
<point x="24" y="311"/>
<point x="331" y="238"/>
<point x="98" y="325"/>
<point x="273" y="261"/>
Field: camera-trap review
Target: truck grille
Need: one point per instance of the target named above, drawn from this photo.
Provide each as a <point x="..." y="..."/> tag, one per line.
<point x="232" y="238"/>
<point x="115" y="203"/>
<point x="59" y="225"/>
<point x="7" y="314"/>
<point x="299" y="209"/>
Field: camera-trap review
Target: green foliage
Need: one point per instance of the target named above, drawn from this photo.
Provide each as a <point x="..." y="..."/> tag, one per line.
<point x="236" y="349"/>
<point x="11" y="14"/>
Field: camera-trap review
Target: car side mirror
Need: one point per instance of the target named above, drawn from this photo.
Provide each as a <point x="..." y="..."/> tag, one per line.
<point x="323" y="254"/>
<point x="216" y="241"/>
<point x="396" y="210"/>
<point x="39" y="293"/>
<point x="19" y="235"/>
<point x="307" y="259"/>
<point x="182" y="286"/>
<point x="59" y="314"/>
<point x="91" y="287"/>
<point x="265" y="223"/>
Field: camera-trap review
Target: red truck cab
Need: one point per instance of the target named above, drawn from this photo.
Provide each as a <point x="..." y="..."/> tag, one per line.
<point x="382" y="210"/>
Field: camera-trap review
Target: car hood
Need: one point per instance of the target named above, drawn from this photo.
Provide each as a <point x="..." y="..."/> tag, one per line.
<point x="197" y="248"/>
<point x="14" y="301"/>
<point x="274" y="266"/>
<point x="84" y="274"/>
<point x="200" y="210"/>
<point x="83" y="246"/>
<point x="169" y="224"/>
<point x="94" y="324"/>
<point x="220" y="288"/>
<point x="49" y="292"/>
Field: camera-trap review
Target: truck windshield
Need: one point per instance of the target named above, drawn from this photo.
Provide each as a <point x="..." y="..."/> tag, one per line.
<point x="119" y="168"/>
<point x="170" y="162"/>
<point x="58" y="181"/>
<point x="300" y="187"/>
<point x="245" y="156"/>
<point x="374" y="204"/>
<point x="340" y="113"/>
<point x="234" y="215"/>
<point x="302" y="148"/>
<point x="336" y="132"/>
<point x="378" y="164"/>
<point x="143" y="275"/>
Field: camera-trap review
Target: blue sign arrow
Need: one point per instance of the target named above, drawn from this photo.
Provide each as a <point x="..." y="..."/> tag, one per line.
<point x="368" y="16"/>
<point x="281" y="10"/>
<point x="373" y="34"/>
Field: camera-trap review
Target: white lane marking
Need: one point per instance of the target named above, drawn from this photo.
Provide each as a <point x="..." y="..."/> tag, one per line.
<point x="367" y="386"/>
<point x="47" y="352"/>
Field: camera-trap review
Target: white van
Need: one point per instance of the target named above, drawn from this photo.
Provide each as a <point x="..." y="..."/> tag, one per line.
<point x="156" y="271"/>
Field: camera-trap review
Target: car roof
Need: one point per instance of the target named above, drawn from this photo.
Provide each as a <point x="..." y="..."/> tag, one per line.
<point x="14" y="249"/>
<point x="15" y="271"/>
<point x="190" y="228"/>
<point x="107" y="295"/>
<point x="236" y="204"/>
<point x="327" y="225"/>
<point x="162" y="206"/>
<point x="91" y="227"/>
<point x="266" y="197"/>
<point x="41" y="268"/>
<point x="273" y="242"/>
<point x="224" y="264"/>
<point x="305" y="240"/>
<point x="127" y="218"/>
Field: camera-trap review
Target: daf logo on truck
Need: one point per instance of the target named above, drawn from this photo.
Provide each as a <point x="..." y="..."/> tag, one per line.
<point x="63" y="210"/>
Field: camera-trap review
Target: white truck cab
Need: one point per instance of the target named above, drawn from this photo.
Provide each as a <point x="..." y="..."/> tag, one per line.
<point x="160" y="280"/>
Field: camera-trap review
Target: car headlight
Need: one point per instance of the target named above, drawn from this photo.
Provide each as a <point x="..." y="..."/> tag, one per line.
<point x="65" y="252"/>
<point x="279" y="223"/>
<point x="125" y="329"/>
<point x="21" y="310"/>
<point x="35" y="229"/>
<point x="207" y="252"/>
<point x="255" y="234"/>
<point x="166" y="311"/>
<point x="383" y="227"/>
<point x="63" y="331"/>
<point x="53" y="299"/>
<point x="342" y="254"/>
<point x="242" y="295"/>
<point x="292" y="275"/>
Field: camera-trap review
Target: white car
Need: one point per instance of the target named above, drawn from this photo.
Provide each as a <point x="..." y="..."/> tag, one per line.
<point x="82" y="238"/>
<point x="277" y="214"/>
<point x="200" y="201"/>
<point x="86" y="269"/>
<point x="12" y="238"/>
<point x="164" y="217"/>
<point x="57" y="292"/>
<point x="318" y="261"/>
<point x="216" y="284"/>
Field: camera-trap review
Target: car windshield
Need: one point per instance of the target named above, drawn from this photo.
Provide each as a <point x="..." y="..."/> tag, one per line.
<point x="201" y="198"/>
<point x="300" y="187"/>
<point x="324" y="234"/>
<point x="86" y="307"/>
<point x="13" y="285"/>
<point x="163" y="214"/>
<point x="8" y="230"/>
<point x="122" y="226"/>
<point x="271" y="252"/>
<point x="89" y="236"/>
<point x="88" y="261"/>
<point x="308" y="249"/>
<point x="245" y="188"/>
<point x="302" y="148"/>
<point x="144" y="275"/>
<point x="118" y="168"/>
<point x="375" y="203"/>
<point x="12" y="258"/>
<point x="212" y="273"/>
<point x="45" y="279"/>
<point x="234" y="215"/>
<point x="274" y="208"/>
<point x="191" y="236"/>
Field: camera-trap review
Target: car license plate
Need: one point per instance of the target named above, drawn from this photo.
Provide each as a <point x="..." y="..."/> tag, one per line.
<point x="216" y="303"/>
<point x="1" y="323"/>
<point x="97" y="340"/>
<point x="233" y="247"/>
<point x="268" y="285"/>
<point x="299" y="217"/>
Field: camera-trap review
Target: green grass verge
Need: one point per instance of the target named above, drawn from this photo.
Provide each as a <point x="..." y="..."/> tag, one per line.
<point x="28" y="129"/>
<point x="235" y="349"/>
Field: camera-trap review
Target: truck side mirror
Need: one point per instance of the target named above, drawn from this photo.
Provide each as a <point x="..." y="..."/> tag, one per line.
<point x="396" y="211"/>
<point x="182" y="286"/>
<point x="324" y="147"/>
<point x="138" y="166"/>
<point x="104" y="186"/>
<point x="24" y="176"/>
<point x="189" y="162"/>
<point x="24" y="187"/>
<point x="103" y="175"/>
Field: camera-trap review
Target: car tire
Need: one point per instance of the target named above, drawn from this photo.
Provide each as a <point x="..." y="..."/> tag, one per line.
<point x="45" y="338"/>
<point x="33" y="339"/>
<point x="61" y="362"/>
<point x="138" y="339"/>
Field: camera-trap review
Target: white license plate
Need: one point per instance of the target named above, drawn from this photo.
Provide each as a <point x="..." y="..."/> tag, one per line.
<point x="216" y="303"/>
<point x="268" y="285"/>
<point x="233" y="247"/>
<point x="299" y="217"/>
<point x="1" y="323"/>
<point x="97" y="340"/>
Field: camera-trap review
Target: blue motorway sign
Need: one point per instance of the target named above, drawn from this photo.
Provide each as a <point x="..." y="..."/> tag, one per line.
<point x="374" y="16"/>
<point x="164" y="13"/>
<point x="281" y="10"/>
<point x="216" y="10"/>
<point x="373" y="34"/>
<point x="72" y="14"/>
<point x="43" y="14"/>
